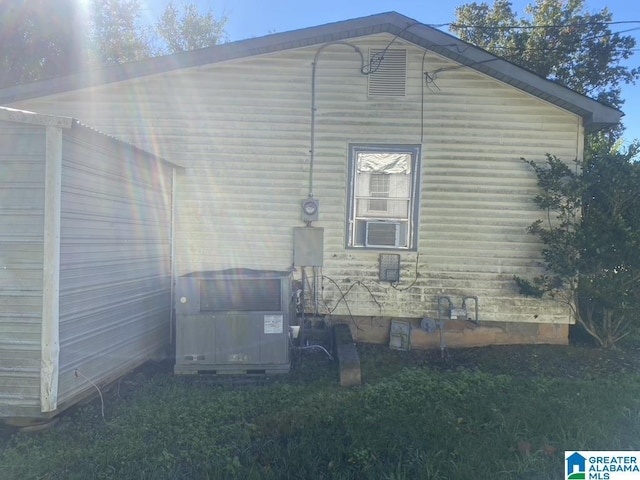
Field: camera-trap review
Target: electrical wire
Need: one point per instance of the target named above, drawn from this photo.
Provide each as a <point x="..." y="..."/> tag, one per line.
<point x="435" y="73"/>
<point x="518" y="50"/>
<point x="415" y="278"/>
<point x="343" y="298"/>
<point x="314" y="69"/>
<point x="343" y="295"/>
<point x="535" y="27"/>
<point x="309" y="347"/>
<point x="427" y="80"/>
<point x="77" y="374"/>
<point x="377" y="58"/>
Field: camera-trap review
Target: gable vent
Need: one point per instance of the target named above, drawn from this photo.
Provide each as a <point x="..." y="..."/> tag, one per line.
<point x="388" y="73"/>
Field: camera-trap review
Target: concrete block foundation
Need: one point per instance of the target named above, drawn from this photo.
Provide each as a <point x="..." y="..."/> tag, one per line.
<point x="459" y="333"/>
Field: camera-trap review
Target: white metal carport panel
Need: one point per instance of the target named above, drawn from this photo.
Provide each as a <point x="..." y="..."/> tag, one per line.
<point x="22" y="171"/>
<point x="115" y="284"/>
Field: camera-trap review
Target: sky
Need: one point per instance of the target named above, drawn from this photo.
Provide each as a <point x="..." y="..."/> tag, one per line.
<point x="255" y="18"/>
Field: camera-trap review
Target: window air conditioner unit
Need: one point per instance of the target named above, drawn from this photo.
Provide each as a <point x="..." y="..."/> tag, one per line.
<point x="380" y="233"/>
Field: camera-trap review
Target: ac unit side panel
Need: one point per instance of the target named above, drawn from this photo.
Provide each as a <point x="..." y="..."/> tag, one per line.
<point x="195" y="339"/>
<point x="237" y="338"/>
<point x="275" y="349"/>
<point x="252" y="338"/>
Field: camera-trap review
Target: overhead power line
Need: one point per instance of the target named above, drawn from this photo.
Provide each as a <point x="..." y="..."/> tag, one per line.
<point x="551" y="48"/>
<point x="533" y="27"/>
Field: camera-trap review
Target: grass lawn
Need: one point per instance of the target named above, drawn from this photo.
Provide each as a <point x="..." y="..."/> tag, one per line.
<point x="485" y="413"/>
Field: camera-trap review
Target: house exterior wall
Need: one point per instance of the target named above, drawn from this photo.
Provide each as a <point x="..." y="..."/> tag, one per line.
<point x="243" y="131"/>
<point x="22" y="173"/>
<point x="115" y="274"/>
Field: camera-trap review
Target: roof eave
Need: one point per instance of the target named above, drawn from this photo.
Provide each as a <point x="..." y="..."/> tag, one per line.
<point x="33" y="118"/>
<point x="594" y="114"/>
<point x="68" y="123"/>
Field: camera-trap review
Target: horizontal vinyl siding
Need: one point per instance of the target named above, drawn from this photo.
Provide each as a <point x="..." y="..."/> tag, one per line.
<point x="242" y="129"/>
<point x="476" y="194"/>
<point x="241" y="193"/>
<point x="115" y="270"/>
<point x="22" y="154"/>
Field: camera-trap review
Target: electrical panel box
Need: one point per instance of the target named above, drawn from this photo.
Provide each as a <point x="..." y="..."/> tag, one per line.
<point x="308" y="246"/>
<point x="233" y="321"/>
<point x="389" y="267"/>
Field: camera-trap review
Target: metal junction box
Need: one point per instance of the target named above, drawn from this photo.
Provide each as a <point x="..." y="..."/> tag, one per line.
<point x="233" y="321"/>
<point x="308" y="246"/>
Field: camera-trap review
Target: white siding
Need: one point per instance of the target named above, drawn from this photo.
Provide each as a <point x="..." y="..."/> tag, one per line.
<point x="242" y="129"/>
<point x="22" y="166"/>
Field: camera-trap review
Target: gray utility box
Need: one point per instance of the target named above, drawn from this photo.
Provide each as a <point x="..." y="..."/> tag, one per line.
<point x="233" y="321"/>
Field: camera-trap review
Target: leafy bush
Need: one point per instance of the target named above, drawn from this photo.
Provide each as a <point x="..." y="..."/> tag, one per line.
<point x="591" y="237"/>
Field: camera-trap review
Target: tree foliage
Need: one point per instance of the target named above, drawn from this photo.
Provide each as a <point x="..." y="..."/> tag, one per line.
<point x="36" y="41"/>
<point x="48" y="38"/>
<point x="558" y="40"/>
<point x="117" y="33"/>
<point x="189" y="30"/>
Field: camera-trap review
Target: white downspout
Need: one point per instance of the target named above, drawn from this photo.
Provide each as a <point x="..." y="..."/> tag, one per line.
<point x="172" y="252"/>
<point x="50" y="335"/>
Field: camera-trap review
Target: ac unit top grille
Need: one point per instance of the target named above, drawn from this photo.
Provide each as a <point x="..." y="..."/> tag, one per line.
<point x="240" y="295"/>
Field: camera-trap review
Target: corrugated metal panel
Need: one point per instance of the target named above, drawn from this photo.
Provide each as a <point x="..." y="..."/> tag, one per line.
<point x="115" y="275"/>
<point x="242" y="129"/>
<point x="22" y="153"/>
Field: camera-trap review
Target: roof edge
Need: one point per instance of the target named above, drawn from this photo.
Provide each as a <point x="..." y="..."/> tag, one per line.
<point x="68" y="123"/>
<point x="33" y="118"/>
<point x="595" y="115"/>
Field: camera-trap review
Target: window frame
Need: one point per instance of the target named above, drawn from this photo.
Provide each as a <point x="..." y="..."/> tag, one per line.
<point x="412" y="219"/>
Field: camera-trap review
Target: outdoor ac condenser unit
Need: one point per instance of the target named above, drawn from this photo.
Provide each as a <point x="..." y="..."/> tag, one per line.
<point x="233" y="321"/>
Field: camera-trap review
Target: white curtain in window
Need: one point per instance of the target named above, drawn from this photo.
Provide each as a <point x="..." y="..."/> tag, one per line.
<point x="384" y="162"/>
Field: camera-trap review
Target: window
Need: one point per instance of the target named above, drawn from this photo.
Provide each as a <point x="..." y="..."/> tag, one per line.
<point x="383" y="196"/>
